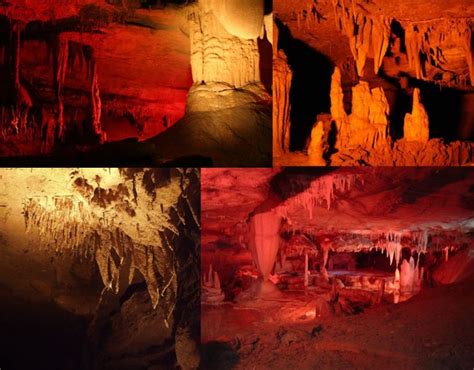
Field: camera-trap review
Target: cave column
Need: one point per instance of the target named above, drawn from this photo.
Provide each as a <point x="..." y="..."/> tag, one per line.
<point x="265" y="241"/>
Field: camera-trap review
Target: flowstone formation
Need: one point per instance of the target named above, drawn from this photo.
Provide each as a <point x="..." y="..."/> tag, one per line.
<point x="400" y="86"/>
<point x="225" y="57"/>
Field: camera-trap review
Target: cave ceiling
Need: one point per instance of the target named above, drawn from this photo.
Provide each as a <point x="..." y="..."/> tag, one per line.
<point x="342" y="201"/>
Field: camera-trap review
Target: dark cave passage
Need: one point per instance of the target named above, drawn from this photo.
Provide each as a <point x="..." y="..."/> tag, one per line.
<point x="39" y="335"/>
<point x="309" y="93"/>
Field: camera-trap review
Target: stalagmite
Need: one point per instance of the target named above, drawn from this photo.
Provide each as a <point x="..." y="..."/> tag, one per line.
<point x="407" y="276"/>
<point x="337" y="108"/>
<point x="396" y="284"/>
<point x="265" y="241"/>
<point x="416" y="124"/>
<point x="446" y="253"/>
<point x="367" y="124"/>
<point x="211" y="292"/>
<point x="306" y="273"/>
<point x="282" y="76"/>
<point x="316" y="145"/>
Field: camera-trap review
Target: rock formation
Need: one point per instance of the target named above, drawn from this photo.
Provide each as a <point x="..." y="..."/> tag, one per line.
<point x="282" y="76"/>
<point x="316" y="146"/>
<point x="368" y="34"/>
<point x="416" y="124"/>
<point x="265" y="241"/>
<point x="211" y="292"/>
<point x="220" y="56"/>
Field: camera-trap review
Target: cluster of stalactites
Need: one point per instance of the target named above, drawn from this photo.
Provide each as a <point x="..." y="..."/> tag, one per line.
<point x="425" y="41"/>
<point x="369" y="35"/>
<point x="67" y="53"/>
<point x="391" y="243"/>
<point x="62" y="222"/>
<point x="306" y="13"/>
<point x="320" y="191"/>
<point x="65" y="223"/>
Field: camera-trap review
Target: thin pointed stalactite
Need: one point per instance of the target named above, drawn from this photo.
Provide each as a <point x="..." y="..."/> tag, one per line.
<point x="62" y="63"/>
<point x="96" y="103"/>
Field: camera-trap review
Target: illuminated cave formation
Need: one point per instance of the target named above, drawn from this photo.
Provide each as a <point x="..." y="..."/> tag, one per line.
<point x="341" y="267"/>
<point x="130" y="82"/>
<point x="97" y="268"/>
<point x="373" y="83"/>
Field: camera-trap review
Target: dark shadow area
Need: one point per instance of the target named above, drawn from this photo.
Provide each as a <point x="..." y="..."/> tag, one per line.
<point x="437" y="180"/>
<point x="266" y="65"/>
<point x="445" y="110"/>
<point x="218" y="356"/>
<point x="39" y="335"/>
<point x="310" y="88"/>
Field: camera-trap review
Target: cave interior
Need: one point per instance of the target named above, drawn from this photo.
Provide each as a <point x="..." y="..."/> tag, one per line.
<point x="339" y="267"/>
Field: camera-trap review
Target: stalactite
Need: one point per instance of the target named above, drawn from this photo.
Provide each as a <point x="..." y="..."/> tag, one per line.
<point x="62" y="63"/>
<point x="96" y="103"/>
<point x="422" y="38"/>
<point x="420" y="239"/>
<point x="368" y="35"/>
<point x="282" y="76"/>
<point x="320" y="191"/>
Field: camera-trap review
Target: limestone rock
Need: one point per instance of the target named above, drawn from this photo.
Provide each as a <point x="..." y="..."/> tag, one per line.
<point x="416" y="124"/>
<point x="369" y="35"/>
<point x="316" y="146"/>
<point x="219" y="56"/>
<point x="211" y="292"/>
<point x="241" y="18"/>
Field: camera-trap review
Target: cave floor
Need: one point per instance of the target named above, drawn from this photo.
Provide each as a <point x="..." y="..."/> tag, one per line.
<point x="433" y="330"/>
